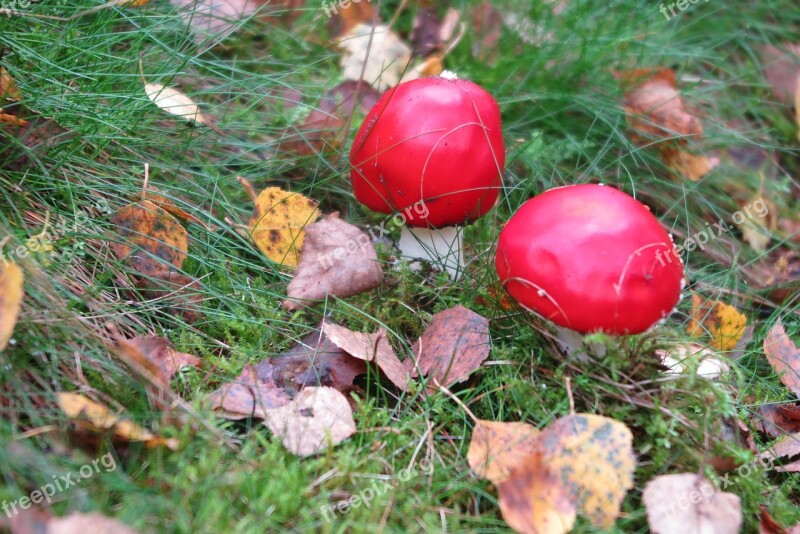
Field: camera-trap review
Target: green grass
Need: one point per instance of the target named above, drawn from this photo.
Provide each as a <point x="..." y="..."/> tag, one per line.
<point x="563" y="124"/>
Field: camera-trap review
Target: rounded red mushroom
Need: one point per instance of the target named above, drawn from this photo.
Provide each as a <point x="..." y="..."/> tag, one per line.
<point x="590" y="258"/>
<point x="436" y="141"/>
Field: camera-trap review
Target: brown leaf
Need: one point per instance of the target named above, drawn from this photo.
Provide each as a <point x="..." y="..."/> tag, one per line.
<point x="454" y="344"/>
<point x="688" y="503"/>
<point x="155" y="196"/>
<point x="96" y="417"/>
<point x="733" y="433"/>
<point x="487" y="27"/>
<point x="784" y="357"/>
<point x="781" y="67"/>
<point x="426" y="32"/>
<point x="778" y="419"/>
<point x="278" y="222"/>
<point x="337" y="259"/>
<point x="370" y="348"/>
<point x="38" y="521"/>
<point x="8" y="88"/>
<point x="159" y="352"/>
<point x="314" y="361"/>
<point x="152" y="239"/>
<point x="10" y="299"/>
<point x="793" y="467"/>
<point x="348" y="15"/>
<point x="533" y="500"/>
<point x="785" y="447"/>
<point x="316" y="419"/>
<point x="496" y="448"/>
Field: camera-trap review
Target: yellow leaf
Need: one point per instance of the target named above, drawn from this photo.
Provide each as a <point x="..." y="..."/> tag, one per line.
<point x="278" y="221"/>
<point x="10" y="299"/>
<point x="12" y="119"/>
<point x="756" y="227"/>
<point x="96" y="417"/>
<point x="175" y="103"/>
<point x="690" y="166"/>
<point x="496" y="448"/>
<point x="151" y="237"/>
<point x="8" y="89"/>
<point x="723" y="322"/>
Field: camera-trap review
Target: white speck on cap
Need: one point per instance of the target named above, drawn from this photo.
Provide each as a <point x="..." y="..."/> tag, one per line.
<point x="448" y="75"/>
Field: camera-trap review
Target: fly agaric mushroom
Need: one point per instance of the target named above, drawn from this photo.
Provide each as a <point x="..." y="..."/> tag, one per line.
<point x="432" y="151"/>
<point x="590" y="258"/>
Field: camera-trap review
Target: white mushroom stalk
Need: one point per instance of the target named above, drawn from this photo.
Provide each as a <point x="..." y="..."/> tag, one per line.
<point x="442" y="247"/>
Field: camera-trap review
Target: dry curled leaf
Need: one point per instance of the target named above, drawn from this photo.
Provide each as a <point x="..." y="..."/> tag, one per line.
<point x="378" y="52"/>
<point x="370" y="348"/>
<point x="37" y="520"/>
<point x="96" y="417"/>
<point x="724" y="323"/>
<point x="10" y="299"/>
<point x="175" y="103"/>
<point x="689" y="504"/>
<point x="782" y="67"/>
<point x="337" y="259"/>
<point x="784" y="356"/>
<point x="278" y="222"/>
<point x="152" y="239"/>
<point x="251" y="394"/>
<point x="454" y="344"/>
<point x="778" y="420"/>
<point x="496" y="448"/>
<point x="785" y="447"/>
<point x="165" y="360"/>
<point x="317" y="418"/>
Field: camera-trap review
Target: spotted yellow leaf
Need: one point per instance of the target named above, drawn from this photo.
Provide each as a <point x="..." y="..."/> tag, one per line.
<point x="724" y="323"/>
<point x="278" y="221"/>
<point x="10" y="299"/>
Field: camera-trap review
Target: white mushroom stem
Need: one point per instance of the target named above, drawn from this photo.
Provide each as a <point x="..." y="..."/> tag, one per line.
<point x="440" y="246"/>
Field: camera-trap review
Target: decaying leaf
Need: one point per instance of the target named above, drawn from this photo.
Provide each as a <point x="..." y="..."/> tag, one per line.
<point x="152" y="239"/>
<point x="781" y="67"/>
<point x="37" y="520"/>
<point x="533" y="500"/>
<point x="313" y="361"/>
<point x="349" y="15"/>
<point x="687" y="503"/>
<point x="8" y="88"/>
<point x="159" y="199"/>
<point x="487" y="26"/>
<point x="10" y="299"/>
<point x="454" y="344"/>
<point x="175" y="103"/>
<point x="724" y="323"/>
<point x="756" y="227"/>
<point x="784" y="356"/>
<point x="159" y="352"/>
<point x="655" y="110"/>
<point x="278" y="222"/>
<point x="316" y="419"/>
<point x="378" y="52"/>
<point x="731" y="433"/>
<point x="323" y="128"/>
<point x="96" y="417"/>
<point x="429" y="32"/>
<point x="777" y="420"/>
<point x="496" y="448"/>
<point x="677" y="358"/>
<point x="785" y="447"/>
<point x="337" y="259"/>
<point x="370" y="348"/>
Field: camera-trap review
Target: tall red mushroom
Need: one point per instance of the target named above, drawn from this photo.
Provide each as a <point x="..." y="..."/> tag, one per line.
<point x="590" y="258"/>
<point x="432" y="151"/>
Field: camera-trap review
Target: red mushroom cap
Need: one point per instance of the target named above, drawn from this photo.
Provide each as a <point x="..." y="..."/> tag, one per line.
<point x="434" y="140"/>
<point x="590" y="258"/>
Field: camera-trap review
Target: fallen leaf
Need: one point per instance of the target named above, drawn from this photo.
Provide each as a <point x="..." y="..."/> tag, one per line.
<point x="313" y="361"/>
<point x="10" y="299"/>
<point x="278" y="221"/>
<point x="316" y="419"/>
<point x="730" y="433"/>
<point x="785" y="447"/>
<point x="712" y="365"/>
<point x="778" y="419"/>
<point x="454" y="344"/>
<point x="427" y="36"/>
<point x="533" y="500"/>
<point x="13" y="120"/>
<point x="157" y="197"/>
<point x="756" y="227"/>
<point x="721" y="321"/>
<point x="784" y="356"/>
<point x="655" y="110"/>
<point x="687" y="504"/>
<point x="8" y="88"/>
<point x="96" y="417"/>
<point x="781" y="67"/>
<point x="175" y="103"/>
<point x="767" y="523"/>
<point x="37" y="520"/>
<point x="793" y="467"/>
<point x="496" y="448"/>
<point x="214" y="19"/>
<point x="487" y="27"/>
<point x="348" y="15"/>
<point x="779" y="273"/>
<point x="152" y="238"/>
<point x="180" y="294"/>
<point x="370" y="348"/>
<point x="323" y="130"/>
<point x="377" y="52"/>
<point x="159" y="352"/>
<point x="337" y="259"/>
